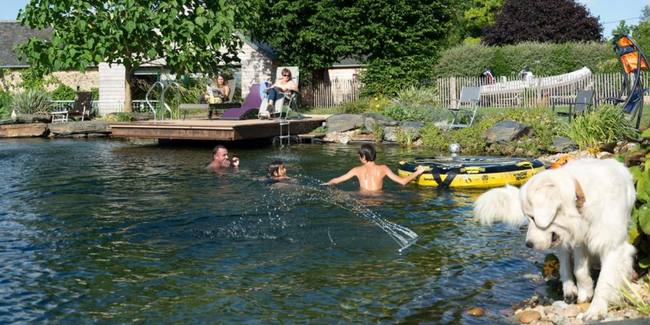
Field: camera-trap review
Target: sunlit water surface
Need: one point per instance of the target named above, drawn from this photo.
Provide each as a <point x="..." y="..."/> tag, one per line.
<point x="105" y="231"/>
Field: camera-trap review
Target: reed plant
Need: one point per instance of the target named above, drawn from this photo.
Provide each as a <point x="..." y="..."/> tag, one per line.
<point x="636" y="297"/>
<point x="405" y="136"/>
<point x="598" y="127"/>
<point x="33" y="101"/>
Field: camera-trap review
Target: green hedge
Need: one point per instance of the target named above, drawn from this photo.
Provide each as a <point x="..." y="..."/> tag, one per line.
<point x="470" y="60"/>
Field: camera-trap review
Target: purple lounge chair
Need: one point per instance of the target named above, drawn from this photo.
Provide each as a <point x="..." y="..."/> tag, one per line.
<point x="252" y="103"/>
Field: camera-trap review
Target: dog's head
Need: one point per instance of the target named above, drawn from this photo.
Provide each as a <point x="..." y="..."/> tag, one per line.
<point x="545" y="201"/>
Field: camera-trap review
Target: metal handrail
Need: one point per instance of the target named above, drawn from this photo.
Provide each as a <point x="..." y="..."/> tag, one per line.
<point x="178" y="98"/>
<point x="146" y="98"/>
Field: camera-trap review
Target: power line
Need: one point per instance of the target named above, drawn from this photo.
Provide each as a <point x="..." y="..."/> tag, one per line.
<point x="618" y="21"/>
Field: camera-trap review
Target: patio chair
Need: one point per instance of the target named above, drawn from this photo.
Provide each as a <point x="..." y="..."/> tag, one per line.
<point x="83" y="103"/>
<point x="467" y="105"/>
<point x="583" y="102"/>
<point x="633" y="63"/>
<point x="251" y="104"/>
<point x="290" y="99"/>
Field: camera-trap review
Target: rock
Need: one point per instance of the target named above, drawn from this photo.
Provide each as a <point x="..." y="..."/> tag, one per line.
<point x="541" y="291"/>
<point x="366" y="138"/>
<point x="82" y="127"/>
<point x="477" y="312"/>
<point x="528" y="316"/>
<point x="559" y="305"/>
<point x="564" y="145"/>
<point x="6" y="122"/>
<point x="370" y="119"/>
<point x="583" y="306"/>
<point x="542" y="322"/>
<point x="570" y="311"/>
<point x="32" y="118"/>
<point x="390" y="133"/>
<point x="344" y="122"/>
<point x="506" y="131"/>
<point x="23" y="130"/>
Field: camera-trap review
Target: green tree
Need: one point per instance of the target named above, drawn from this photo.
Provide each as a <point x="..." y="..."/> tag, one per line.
<point x="481" y="14"/>
<point x="645" y="13"/>
<point x="621" y="29"/>
<point x="314" y="34"/>
<point x="187" y="34"/>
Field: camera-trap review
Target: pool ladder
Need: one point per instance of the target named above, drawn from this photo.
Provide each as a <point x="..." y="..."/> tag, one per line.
<point x="284" y="123"/>
<point x="165" y="106"/>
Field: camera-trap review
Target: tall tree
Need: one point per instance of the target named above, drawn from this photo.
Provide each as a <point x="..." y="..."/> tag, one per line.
<point x="621" y="29"/>
<point x="555" y="21"/>
<point x="190" y="35"/>
<point x="314" y="34"/>
<point x="645" y="13"/>
<point x="482" y="13"/>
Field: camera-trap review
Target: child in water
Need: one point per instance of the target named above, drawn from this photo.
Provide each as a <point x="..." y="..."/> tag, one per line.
<point x="277" y="171"/>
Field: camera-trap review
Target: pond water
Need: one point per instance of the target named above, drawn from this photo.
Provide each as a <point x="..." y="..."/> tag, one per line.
<point x="107" y="231"/>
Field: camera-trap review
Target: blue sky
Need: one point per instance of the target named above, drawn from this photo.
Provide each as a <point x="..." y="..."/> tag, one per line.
<point x="609" y="11"/>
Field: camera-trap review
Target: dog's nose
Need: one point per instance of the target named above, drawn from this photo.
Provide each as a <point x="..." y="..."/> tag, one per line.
<point x="529" y="244"/>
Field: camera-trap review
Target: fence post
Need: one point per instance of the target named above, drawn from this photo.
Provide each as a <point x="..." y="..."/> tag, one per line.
<point x="452" y="92"/>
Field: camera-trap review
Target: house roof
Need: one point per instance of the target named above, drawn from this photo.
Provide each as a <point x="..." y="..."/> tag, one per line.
<point x="13" y="33"/>
<point x="258" y="46"/>
<point x="347" y="63"/>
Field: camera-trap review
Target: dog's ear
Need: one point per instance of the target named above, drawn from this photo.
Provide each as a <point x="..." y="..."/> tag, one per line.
<point x="544" y="199"/>
<point x="500" y="204"/>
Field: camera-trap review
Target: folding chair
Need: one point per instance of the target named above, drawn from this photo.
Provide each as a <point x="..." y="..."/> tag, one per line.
<point x="583" y="102"/>
<point x="633" y="63"/>
<point x="467" y="105"/>
<point x="288" y="101"/>
<point x="83" y="103"/>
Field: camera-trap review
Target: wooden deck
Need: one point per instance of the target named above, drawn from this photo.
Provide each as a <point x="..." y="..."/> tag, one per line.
<point x="218" y="130"/>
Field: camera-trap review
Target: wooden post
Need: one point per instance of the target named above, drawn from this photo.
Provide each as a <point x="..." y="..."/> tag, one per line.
<point x="452" y="92"/>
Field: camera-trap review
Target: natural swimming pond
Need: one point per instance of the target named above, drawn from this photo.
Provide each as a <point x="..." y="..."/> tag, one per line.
<point x="106" y="231"/>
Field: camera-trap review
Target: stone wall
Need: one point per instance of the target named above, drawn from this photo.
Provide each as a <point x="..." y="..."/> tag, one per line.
<point x="85" y="81"/>
<point x="255" y="68"/>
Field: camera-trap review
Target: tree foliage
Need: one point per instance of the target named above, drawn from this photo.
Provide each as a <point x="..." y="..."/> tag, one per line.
<point x="188" y="34"/>
<point x="314" y="34"/>
<point x="481" y="14"/>
<point x="555" y="21"/>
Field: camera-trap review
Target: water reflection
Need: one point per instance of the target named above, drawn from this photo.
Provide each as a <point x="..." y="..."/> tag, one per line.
<point x="107" y="231"/>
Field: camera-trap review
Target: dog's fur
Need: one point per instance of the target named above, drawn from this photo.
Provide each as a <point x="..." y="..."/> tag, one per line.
<point x="598" y="229"/>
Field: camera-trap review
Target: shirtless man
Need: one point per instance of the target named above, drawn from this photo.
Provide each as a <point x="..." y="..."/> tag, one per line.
<point x="220" y="159"/>
<point x="370" y="175"/>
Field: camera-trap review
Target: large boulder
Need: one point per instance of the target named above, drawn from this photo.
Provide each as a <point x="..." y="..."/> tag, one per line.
<point x="33" y="118"/>
<point x="372" y="119"/>
<point x="80" y="129"/>
<point x="506" y="132"/>
<point x="23" y="130"/>
<point x="344" y="122"/>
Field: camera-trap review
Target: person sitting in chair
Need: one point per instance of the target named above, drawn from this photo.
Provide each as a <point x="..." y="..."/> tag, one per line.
<point x="277" y="90"/>
<point x="220" y="92"/>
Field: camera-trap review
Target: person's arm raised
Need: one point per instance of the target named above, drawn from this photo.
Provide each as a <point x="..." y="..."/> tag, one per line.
<point x="403" y="181"/>
<point x="342" y="178"/>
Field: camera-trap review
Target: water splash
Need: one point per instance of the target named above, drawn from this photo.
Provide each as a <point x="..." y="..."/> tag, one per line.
<point x="315" y="192"/>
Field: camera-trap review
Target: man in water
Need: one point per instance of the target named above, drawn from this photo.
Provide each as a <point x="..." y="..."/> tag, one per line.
<point x="370" y="175"/>
<point x="220" y="159"/>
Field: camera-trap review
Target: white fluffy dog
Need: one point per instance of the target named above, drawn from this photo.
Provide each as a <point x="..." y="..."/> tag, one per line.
<point x="583" y="209"/>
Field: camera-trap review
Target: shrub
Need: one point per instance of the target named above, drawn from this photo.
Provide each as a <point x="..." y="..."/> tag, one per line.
<point x="544" y="123"/>
<point x="63" y="92"/>
<point x="594" y="128"/>
<point x="33" y="101"/>
<point x="6" y="104"/>
<point x="544" y="59"/>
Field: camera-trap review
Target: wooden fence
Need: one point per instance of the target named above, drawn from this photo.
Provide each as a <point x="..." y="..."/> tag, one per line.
<point x="538" y="91"/>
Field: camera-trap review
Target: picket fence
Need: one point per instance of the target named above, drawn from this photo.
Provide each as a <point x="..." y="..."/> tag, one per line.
<point x="537" y="93"/>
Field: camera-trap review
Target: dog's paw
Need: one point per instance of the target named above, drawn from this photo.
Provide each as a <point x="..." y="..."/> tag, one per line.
<point x="585" y="295"/>
<point x="570" y="299"/>
<point x="596" y="311"/>
<point x="570" y="292"/>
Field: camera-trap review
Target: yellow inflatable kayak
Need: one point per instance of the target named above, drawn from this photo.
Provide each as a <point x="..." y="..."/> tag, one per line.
<point x="472" y="172"/>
